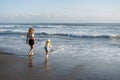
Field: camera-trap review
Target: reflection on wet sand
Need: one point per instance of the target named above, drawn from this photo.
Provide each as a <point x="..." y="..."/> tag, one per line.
<point x="31" y="62"/>
<point x="46" y="64"/>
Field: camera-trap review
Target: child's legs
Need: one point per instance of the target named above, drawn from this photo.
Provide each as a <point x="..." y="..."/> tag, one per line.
<point x="46" y="52"/>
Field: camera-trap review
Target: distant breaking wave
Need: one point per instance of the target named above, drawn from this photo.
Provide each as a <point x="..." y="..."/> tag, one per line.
<point x="80" y="35"/>
<point x="2" y="32"/>
<point x="84" y="36"/>
<point x="27" y="26"/>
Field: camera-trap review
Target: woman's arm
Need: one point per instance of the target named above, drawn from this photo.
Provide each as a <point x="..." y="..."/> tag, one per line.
<point x="27" y="39"/>
<point x="33" y="36"/>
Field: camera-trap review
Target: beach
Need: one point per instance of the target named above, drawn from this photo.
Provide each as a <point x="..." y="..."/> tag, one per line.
<point x="59" y="39"/>
<point x="80" y="52"/>
<point x="11" y="67"/>
<point x="17" y="68"/>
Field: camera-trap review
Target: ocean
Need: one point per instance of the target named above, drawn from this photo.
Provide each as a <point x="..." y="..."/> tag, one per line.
<point x="75" y="46"/>
<point x="94" y="41"/>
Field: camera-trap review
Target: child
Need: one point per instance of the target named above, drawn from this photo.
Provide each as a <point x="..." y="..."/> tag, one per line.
<point x="47" y="47"/>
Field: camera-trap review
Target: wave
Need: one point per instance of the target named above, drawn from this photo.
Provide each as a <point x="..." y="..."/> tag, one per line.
<point x="27" y="26"/>
<point x="12" y="31"/>
<point x="81" y="35"/>
<point x="12" y="26"/>
<point x="48" y="26"/>
<point x="7" y="32"/>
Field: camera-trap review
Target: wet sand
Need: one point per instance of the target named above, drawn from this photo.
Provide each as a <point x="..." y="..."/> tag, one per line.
<point x="16" y="68"/>
<point x="13" y="67"/>
<point x="19" y="68"/>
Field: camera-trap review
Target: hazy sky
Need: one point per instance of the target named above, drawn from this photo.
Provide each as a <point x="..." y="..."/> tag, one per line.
<point x="62" y="11"/>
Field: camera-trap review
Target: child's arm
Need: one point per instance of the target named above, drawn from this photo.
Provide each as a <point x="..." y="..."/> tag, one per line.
<point x="50" y="45"/>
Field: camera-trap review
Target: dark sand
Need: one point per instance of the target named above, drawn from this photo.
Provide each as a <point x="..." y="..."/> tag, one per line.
<point x="19" y="68"/>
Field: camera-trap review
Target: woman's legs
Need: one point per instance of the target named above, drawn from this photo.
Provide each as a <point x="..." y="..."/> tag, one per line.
<point x="31" y="50"/>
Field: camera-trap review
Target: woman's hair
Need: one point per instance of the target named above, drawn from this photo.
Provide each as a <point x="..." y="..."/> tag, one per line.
<point x="31" y="31"/>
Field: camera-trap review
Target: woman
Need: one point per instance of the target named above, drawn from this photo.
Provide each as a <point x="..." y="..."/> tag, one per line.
<point x="30" y="40"/>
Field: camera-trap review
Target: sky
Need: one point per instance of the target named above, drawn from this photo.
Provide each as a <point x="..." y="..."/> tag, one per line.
<point x="59" y="11"/>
